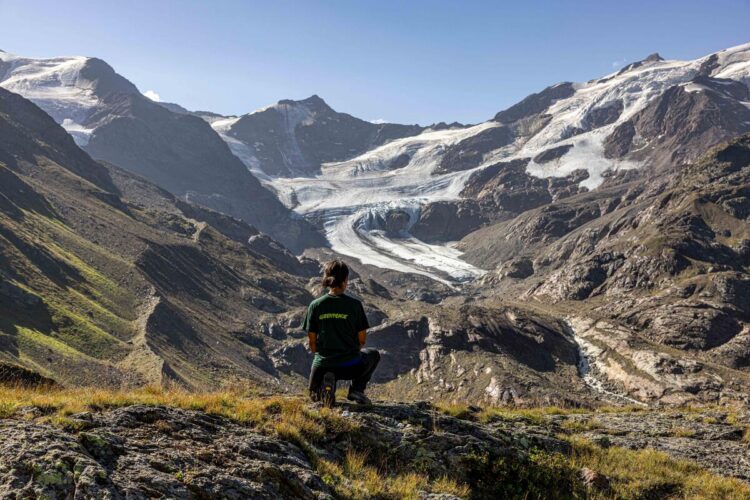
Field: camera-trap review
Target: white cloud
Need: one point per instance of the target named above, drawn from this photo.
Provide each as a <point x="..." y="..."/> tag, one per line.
<point x="378" y="121"/>
<point x="152" y="95"/>
<point x="619" y="64"/>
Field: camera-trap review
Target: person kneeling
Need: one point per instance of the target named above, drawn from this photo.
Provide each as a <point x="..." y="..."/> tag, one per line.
<point x="336" y="326"/>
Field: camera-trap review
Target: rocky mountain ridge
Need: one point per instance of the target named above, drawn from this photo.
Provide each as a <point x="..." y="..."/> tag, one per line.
<point x="110" y="280"/>
<point x="294" y="138"/>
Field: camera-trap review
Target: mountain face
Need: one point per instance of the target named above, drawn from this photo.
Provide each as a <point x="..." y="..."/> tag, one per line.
<point x="112" y="121"/>
<point x="293" y="138"/>
<point x="108" y="280"/>
<point x="652" y="274"/>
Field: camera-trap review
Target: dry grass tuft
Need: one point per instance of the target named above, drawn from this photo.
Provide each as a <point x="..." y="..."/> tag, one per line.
<point x="355" y="478"/>
<point x="651" y="474"/>
<point x="683" y="432"/>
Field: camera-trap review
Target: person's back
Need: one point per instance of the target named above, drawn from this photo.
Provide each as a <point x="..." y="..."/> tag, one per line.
<point x="336" y="324"/>
<point x="336" y="319"/>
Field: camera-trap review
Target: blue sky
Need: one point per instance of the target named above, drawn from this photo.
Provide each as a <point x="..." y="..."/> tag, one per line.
<point x="404" y="61"/>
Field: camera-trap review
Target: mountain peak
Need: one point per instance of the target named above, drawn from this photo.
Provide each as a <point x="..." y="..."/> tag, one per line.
<point x="107" y="79"/>
<point x="314" y="101"/>
<point x="652" y="58"/>
<point x="315" y="98"/>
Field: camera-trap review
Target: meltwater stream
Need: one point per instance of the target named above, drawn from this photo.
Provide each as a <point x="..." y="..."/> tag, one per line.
<point x="587" y="354"/>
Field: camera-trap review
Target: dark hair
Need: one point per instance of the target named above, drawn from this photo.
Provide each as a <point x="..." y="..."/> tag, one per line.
<point x="335" y="273"/>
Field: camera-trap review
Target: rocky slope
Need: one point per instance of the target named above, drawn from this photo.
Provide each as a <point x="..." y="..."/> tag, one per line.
<point x="651" y="271"/>
<point x="107" y="279"/>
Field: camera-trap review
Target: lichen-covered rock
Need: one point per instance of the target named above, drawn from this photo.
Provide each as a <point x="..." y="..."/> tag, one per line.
<point x="712" y="438"/>
<point x="147" y="452"/>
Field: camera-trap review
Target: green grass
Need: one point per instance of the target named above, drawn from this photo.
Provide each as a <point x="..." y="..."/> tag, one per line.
<point x="92" y="315"/>
<point x="80" y="333"/>
<point x="652" y="474"/>
<point x="102" y="289"/>
<point x="28" y="337"/>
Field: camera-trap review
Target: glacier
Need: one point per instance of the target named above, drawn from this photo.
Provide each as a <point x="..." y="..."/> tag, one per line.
<point x="368" y="186"/>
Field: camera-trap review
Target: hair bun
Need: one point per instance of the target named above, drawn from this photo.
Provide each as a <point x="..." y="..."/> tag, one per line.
<point x="335" y="273"/>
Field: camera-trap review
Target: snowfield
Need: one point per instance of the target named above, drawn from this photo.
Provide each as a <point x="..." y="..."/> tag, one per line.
<point x="360" y="189"/>
<point x="55" y="85"/>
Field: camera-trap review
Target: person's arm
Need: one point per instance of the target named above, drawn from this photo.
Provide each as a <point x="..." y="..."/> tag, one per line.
<point x="312" y="339"/>
<point x="361" y="325"/>
<point x="312" y="327"/>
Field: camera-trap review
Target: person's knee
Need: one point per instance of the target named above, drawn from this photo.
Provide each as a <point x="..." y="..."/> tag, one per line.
<point x="373" y="355"/>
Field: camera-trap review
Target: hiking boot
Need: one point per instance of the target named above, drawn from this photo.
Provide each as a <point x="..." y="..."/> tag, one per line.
<point x="328" y="390"/>
<point x="358" y="397"/>
<point x="314" y="395"/>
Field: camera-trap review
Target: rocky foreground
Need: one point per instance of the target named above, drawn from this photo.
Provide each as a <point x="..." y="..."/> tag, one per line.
<point x="286" y="448"/>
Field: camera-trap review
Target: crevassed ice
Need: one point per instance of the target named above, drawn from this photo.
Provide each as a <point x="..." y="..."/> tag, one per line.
<point x="347" y="192"/>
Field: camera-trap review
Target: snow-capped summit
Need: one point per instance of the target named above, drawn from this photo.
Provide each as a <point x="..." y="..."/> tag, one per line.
<point x="113" y="121"/>
<point x="70" y="89"/>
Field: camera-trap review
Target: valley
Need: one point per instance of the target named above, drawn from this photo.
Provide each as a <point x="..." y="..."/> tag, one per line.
<point x="585" y="246"/>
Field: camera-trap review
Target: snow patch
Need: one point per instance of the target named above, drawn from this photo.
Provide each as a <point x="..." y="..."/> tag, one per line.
<point x="734" y="63"/>
<point x="54" y="84"/>
<point x="587" y="154"/>
<point x="81" y="135"/>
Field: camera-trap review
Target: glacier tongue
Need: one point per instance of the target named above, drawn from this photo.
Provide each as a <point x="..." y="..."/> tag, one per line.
<point x="402" y="253"/>
<point x="348" y="195"/>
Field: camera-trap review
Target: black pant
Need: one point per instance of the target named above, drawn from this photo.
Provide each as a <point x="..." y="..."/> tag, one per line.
<point x="359" y="374"/>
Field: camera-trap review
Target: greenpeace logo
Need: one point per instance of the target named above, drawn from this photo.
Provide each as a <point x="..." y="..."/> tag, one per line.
<point x="333" y="316"/>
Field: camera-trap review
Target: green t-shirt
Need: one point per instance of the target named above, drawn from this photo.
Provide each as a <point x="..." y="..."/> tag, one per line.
<point x="336" y="319"/>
